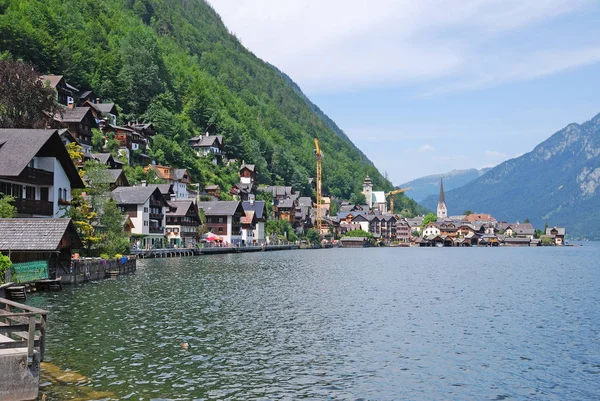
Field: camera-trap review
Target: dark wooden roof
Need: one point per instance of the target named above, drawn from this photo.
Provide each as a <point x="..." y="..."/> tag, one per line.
<point x="36" y="234"/>
<point x="19" y="146"/>
<point x="136" y="195"/>
<point x="221" y="208"/>
<point x="75" y="115"/>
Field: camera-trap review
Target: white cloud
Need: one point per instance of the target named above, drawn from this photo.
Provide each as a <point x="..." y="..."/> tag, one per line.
<point x="426" y="148"/>
<point x="351" y="44"/>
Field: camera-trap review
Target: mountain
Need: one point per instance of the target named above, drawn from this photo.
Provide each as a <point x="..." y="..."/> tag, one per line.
<point x="174" y="63"/>
<point x="422" y="187"/>
<point x="558" y="182"/>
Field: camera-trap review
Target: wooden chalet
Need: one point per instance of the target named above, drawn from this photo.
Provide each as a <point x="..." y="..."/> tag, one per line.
<point x="39" y="248"/>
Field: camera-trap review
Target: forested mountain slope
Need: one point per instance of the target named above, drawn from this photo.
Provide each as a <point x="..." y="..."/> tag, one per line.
<point x="558" y="182"/>
<point x="174" y="63"/>
<point x="422" y="187"/>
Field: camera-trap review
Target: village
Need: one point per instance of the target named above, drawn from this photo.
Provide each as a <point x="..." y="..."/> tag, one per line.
<point x="70" y="215"/>
<point x="37" y="170"/>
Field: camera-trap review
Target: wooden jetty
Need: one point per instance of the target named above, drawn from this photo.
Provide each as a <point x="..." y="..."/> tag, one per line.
<point x="22" y="345"/>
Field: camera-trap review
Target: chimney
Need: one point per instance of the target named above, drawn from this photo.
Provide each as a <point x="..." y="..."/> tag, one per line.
<point x="173" y="197"/>
<point x="144" y="183"/>
<point x="97" y="100"/>
<point x="71" y="105"/>
<point x="207" y="133"/>
<point x="251" y="199"/>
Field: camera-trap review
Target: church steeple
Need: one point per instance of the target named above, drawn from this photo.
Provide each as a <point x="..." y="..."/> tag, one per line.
<point x="442" y="210"/>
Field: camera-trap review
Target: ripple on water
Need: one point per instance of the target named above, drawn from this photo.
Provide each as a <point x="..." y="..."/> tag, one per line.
<point x="380" y="324"/>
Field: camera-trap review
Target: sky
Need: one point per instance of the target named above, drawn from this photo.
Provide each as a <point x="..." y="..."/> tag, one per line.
<point x="429" y="86"/>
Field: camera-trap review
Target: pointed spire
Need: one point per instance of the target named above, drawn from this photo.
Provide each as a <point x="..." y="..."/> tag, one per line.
<point x="442" y="199"/>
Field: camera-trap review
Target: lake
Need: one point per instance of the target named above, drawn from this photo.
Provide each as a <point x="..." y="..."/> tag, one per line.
<point x="360" y="324"/>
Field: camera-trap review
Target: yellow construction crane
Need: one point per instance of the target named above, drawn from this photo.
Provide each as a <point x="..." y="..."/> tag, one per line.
<point x="391" y="196"/>
<point x="318" y="217"/>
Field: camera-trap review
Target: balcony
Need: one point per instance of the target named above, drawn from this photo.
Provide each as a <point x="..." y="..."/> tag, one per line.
<point x="34" y="176"/>
<point x="32" y="206"/>
<point x="157" y="230"/>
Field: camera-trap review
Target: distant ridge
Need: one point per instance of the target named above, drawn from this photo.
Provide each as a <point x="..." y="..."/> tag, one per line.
<point x="557" y="182"/>
<point x="429" y="185"/>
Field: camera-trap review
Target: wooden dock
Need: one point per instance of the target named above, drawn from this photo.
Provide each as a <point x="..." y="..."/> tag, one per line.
<point x="22" y="345"/>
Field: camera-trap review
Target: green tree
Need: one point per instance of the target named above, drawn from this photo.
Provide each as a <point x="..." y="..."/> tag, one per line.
<point x="359" y="233"/>
<point x="7" y="208"/>
<point x="429" y="218"/>
<point x="24" y="98"/>
<point x="312" y="236"/>
<point x="5" y="265"/>
<point x="467" y="212"/>
<point x="358" y="198"/>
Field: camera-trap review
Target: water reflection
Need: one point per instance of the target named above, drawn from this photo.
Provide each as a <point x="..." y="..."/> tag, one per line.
<point x="338" y="324"/>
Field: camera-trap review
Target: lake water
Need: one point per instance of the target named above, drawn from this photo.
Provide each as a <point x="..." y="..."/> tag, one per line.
<point x="362" y="324"/>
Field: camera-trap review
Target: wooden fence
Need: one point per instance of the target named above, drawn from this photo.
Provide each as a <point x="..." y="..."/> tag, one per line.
<point x="22" y="328"/>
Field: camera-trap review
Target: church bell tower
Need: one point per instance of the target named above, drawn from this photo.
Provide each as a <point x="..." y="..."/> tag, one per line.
<point x="442" y="210"/>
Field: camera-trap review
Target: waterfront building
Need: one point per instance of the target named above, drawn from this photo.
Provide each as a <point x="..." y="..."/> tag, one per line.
<point x="248" y="227"/>
<point x="182" y="222"/>
<point x="224" y="218"/>
<point x="260" y="213"/>
<point x="442" y="210"/>
<point x="431" y="229"/>
<point x="403" y="231"/>
<point x="520" y="230"/>
<point x="40" y="248"/>
<point x="557" y="234"/>
<point x="35" y="168"/>
<point x="146" y="207"/>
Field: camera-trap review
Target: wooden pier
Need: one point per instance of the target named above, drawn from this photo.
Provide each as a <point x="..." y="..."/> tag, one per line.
<point x="22" y="345"/>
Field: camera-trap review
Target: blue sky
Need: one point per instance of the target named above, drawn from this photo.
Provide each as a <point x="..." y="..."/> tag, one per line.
<point x="435" y="85"/>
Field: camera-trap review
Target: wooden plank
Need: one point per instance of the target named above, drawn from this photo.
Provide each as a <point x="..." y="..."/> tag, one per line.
<point x="42" y="337"/>
<point x="31" y="340"/>
<point x="22" y="306"/>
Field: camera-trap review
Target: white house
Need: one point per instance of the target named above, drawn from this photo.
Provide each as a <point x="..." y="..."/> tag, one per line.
<point x="260" y="213"/>
<point x="431" y="229"/>
<point x="146" y="208"/>
<point x="35" y="168"/>
<point x="224" y="218"/>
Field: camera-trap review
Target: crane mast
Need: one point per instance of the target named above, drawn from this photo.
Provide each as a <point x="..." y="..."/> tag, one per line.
<point x="318" y="216"/>
<point x="391" y="196"/>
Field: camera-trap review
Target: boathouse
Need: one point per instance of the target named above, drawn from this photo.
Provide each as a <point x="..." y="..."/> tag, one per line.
<point x="38" y="248"/>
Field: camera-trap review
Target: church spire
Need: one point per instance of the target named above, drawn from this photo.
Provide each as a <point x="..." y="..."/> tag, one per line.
<point x="442" y="210"/>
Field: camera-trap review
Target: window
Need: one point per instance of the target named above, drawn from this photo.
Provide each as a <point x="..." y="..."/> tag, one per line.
<point x="145" y="224"/>
<point x="220" y="229"/>
<point x="59" y="193"/>
<point x="44" y="194"/>
<point x="145" y="210"/>
<point x="220" y="219"/>
<point x="29" y="192"/>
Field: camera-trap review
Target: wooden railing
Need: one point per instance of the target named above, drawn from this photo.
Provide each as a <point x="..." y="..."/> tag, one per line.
<point x="33" y="206"/>
<point x="22" y="326"/>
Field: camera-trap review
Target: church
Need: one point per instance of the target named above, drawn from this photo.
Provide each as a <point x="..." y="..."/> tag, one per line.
<point x="375" y="199"/>
<point x="442" y="210"/>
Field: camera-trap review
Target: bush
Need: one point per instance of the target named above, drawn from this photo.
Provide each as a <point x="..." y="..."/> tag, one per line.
<point x="5" y="265"/>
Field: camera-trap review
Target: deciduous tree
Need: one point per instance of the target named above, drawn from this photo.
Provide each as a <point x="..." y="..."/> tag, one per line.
<point x="24" y="98"/>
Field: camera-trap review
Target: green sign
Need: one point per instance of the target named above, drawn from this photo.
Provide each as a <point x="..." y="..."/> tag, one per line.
<point x="29" y="271"/>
